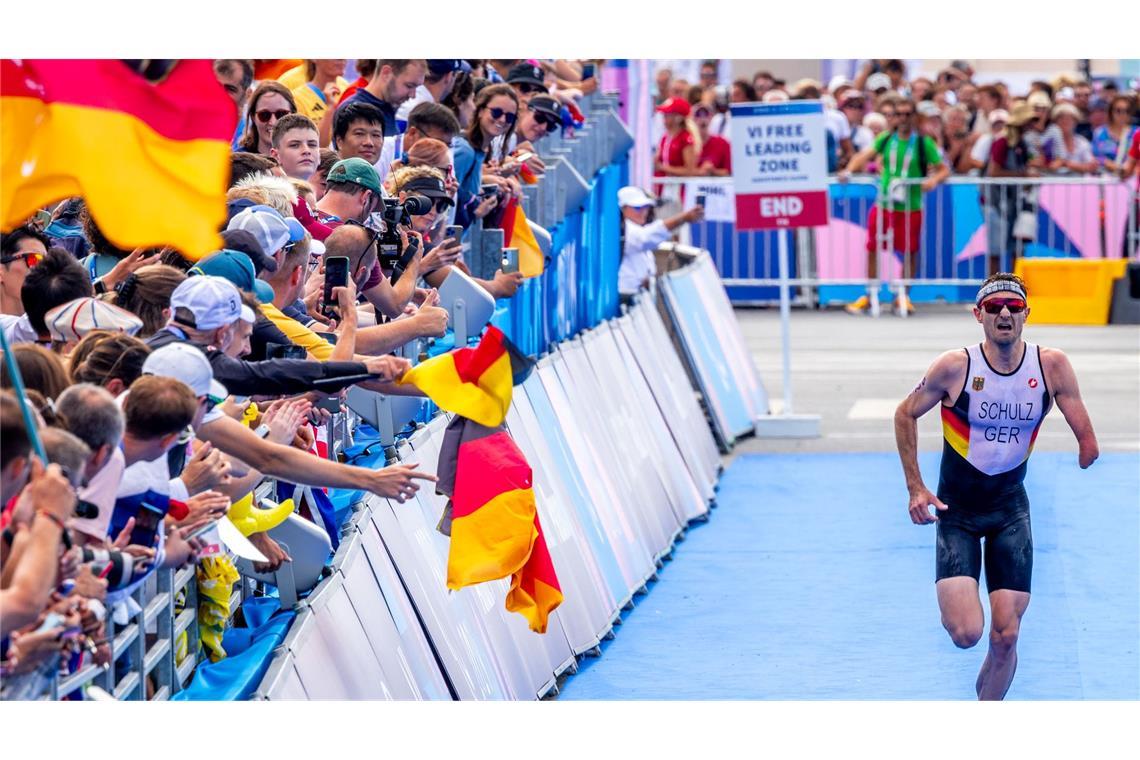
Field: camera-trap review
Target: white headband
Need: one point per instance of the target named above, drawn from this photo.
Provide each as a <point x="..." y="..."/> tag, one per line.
<point x="999" y="286"/>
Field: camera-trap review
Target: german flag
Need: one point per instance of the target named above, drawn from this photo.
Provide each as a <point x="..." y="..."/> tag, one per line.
<point x="494" y="524"/>
<point x="956" y="431"/>
<point x="474" y="382"/>
<point x="151" y="158"/>
<point x="517" y="234"/>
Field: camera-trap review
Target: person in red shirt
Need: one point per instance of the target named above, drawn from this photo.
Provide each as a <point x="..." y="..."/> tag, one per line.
<point x="365" y="67"/>
<point x="715" y="159"/>
<point x="678" y="151"/>
<point x="1132" y="167"/>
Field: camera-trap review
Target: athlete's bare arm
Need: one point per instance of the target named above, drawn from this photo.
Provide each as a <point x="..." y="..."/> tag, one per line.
<point x="943" y="379"/>
<point x="1062" y="381"/>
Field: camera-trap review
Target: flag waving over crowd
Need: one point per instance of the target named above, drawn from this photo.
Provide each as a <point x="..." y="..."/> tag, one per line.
<point x="517" y="234"/>
<point x="493" y="519"/>
<point x="150" y="158"/>
<point x="474" y="382"/>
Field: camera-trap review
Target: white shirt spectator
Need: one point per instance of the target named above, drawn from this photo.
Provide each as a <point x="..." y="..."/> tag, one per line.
<point x="17" y="329"/>
<point x="100" y="491"/>
<point x="862" y="137"/>
<point x="637" y="261"/>
<point x="981" y="151"/>
<point x="837" y="124"/>
<point x="423" y="95"/>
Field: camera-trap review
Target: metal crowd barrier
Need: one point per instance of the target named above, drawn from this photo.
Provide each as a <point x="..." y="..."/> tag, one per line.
<point x="579" y="289"/>
<point x="970" y="227"/>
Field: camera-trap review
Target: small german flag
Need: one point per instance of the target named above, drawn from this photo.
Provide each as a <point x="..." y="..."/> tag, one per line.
<point x="474" y="382"/>
<point x="518" y="234"/>
<point x="493" y="521"/>
<point x="151" y="158"/>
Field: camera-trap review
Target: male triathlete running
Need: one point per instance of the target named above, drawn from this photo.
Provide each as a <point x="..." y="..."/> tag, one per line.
<point x="994" y="397"/>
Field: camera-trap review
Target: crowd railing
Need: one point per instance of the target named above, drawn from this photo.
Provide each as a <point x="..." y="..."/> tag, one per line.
<point x="969" y="228"/>
<point x="156" y="652"/>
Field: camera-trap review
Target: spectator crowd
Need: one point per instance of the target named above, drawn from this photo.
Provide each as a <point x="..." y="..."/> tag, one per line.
<point x="157" y="392"/>
<point x="1070" y="126"/>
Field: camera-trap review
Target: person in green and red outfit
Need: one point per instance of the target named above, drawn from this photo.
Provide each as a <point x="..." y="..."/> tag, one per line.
<point x="905" y="154"/>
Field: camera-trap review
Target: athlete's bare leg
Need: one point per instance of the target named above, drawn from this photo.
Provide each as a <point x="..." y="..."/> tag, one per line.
<point x="962" y="615"/>
<point x="1006" y="609"/>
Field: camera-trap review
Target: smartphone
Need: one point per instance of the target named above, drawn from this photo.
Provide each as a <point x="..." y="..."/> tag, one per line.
<point x="330" y="404"/>
<point x="285" y="351"/>
<point x="588" y="70"/>
<point x="510" y="260"/>
<point x="701" y="201"/>
<point x="336" y="276"/>
<point x="203" y="530"/>
<point x="43" y="218"/>
<point x="523" y="157"/>
<point x="488" y="190"/>
<point x="455" y="231"/>
<point x="147" y="522"/>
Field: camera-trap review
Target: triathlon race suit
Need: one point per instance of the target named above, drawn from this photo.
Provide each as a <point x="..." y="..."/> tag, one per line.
<point x="988" y="435"/>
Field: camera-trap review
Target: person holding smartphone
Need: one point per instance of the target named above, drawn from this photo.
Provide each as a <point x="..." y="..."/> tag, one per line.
<point x="638" y="264"/>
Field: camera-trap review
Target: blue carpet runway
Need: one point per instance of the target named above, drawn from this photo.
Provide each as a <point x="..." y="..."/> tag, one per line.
<point x="810" y="582"/>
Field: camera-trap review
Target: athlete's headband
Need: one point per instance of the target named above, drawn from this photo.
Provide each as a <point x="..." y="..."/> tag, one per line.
<point x="998" y="286"/>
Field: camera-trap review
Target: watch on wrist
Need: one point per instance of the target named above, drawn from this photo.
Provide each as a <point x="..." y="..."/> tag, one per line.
<point x="262" y="431"/>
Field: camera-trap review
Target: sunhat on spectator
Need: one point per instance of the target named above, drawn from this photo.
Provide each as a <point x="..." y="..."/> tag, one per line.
<point x="1039" y="99"/>
<point x="73" y="320"/>
<point x="678" y="106"/>
<point x="1065" y="109"/>
<point x="634" y="197"/>
<point x="1021" y="114"/>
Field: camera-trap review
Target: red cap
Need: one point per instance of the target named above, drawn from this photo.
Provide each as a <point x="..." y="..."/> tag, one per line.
<point x="675" y="105"/>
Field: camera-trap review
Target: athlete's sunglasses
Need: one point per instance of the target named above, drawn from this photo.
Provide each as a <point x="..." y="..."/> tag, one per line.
<point x="995" y="305"/>
<point x="30" y="259"/>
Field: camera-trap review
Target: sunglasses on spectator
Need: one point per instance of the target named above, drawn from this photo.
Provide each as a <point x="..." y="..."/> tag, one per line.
<point x="31" y="258"/>
<point x="904" y="114"/>
<point x="1120" y="110"/>
<point x="498" y="113"/>
<point x="265" y="115"/>
<point x="547" y="121"/>
<point x="995" y="305"/>
<point x="527" y="89"/>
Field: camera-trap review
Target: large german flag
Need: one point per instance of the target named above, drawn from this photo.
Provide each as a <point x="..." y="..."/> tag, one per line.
<point x="494" y="525"/>
<point x="474" y="382"/>
<point x="150" y="158"/>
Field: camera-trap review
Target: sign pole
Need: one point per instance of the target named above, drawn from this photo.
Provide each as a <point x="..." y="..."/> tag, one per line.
<point x="785" y="318"/>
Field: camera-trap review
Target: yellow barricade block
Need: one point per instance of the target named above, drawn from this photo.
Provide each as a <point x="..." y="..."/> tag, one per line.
<point x="1069" y="291"/>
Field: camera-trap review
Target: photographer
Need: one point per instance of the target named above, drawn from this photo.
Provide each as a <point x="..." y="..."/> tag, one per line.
<point x="638" y="265"/>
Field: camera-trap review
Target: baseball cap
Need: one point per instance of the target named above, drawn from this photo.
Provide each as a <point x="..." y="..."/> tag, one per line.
<point x="73" y="320"/>
<point x="272" y="231"/>
<point x="878" y="81"/>
<point x="187" y="364"/>
<point x="244" y="241"/>
<point x="677" y="106"/>
<point x="526" y="73"/>
<point x="838" y="82"/>
<point x="213" y="301"/>
<point x="236" y="267"/>
<point x="999" y="114"/>
<point x="355" y="170"/>
<point x="851" y="96"/>
<point x="447" y="65"/>
<point x="427" y="186"/>
<point x="927" y="108"/>
<point x="547" y="105"/>
<point x="635" y="197"/>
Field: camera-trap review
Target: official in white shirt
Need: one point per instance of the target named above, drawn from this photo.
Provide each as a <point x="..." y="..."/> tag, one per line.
<point x="638" y="265"/>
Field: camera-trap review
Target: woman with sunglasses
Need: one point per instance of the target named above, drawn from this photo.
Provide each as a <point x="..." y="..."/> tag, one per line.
<point x="496" y="112"/>
<point x="1110" y="142"/>
<point x="270" y="103"/>
<point x="20" y="250"/>
<point x="993" y="397"/>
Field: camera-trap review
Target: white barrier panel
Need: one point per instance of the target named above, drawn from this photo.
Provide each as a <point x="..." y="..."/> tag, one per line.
<point x="649" y="342"/>
<point x="281" y="682"/>
<point x="732" y="342"/>
<point x="632" y="434"/>
<point x="686" y="497"/>
<point x="638" y="492"/>
<point x="546" y="431"/>
<point x="634" y="558"/>
<point x="587" y="605"/>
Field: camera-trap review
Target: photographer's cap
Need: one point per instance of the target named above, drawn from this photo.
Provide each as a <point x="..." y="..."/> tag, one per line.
<point x="213" y="301"/>
<point x="635" y="197"/>
<point x="355" y="170"/>
<point x="186" y="364"/>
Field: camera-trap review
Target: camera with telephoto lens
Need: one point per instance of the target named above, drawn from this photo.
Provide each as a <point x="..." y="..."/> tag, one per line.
<point x="123" y="566"/>
<point x="388" y="247"/>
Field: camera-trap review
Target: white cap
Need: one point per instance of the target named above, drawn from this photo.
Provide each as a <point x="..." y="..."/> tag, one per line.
<point x="838" y="81"/>
<point x="877" y="81"/>
<point x="214" y="301"/>
<point x="635" y="197"/>
<point x="928" y="108"/>
<point x="999" y="114"/>
<point x="188" y="364"/>
<point x="74" y="319"/>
